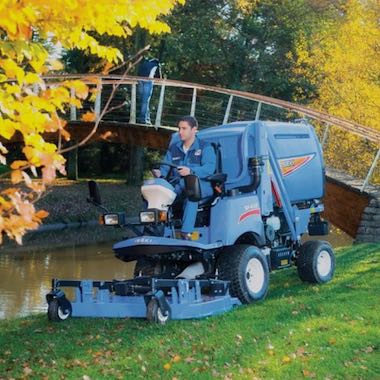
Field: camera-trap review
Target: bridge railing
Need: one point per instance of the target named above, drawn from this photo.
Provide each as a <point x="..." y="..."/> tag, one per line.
<point x="348" y="146"/>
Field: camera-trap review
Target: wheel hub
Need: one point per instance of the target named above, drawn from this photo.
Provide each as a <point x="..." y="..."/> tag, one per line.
<point x="254" y="275"/>
<point x="161" y="317"/>
<point x="62" y="314"/>
<point x="323" y="263"/>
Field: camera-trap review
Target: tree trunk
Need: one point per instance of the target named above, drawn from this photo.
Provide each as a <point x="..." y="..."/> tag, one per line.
<point x="72" y="163"/>
<point x="136" y="165"/>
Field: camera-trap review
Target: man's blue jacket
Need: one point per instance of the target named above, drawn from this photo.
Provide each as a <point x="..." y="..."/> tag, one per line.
<point x="200" y="158"/>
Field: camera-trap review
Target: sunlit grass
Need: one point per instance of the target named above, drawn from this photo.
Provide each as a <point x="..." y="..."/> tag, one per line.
<point x="329" y="331"/>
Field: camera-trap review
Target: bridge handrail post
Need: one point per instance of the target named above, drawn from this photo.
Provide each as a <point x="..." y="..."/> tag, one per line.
<point x="325" y="134"/>
<point x="228" y="109"/>
<point x="160" y="107"/>
<point x="132" y="112"/>
<point x="371" y="170"/>
<point x="258" y="111"/>
<point x="98" y="98"/>
<point x="73" y="109"/>
<point x="193" y="102"/>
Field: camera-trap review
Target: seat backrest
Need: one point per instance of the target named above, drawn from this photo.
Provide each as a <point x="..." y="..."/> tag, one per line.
<point x="218" y="153"/>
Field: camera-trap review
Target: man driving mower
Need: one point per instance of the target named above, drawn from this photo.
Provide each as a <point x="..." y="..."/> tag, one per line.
<point x="192" y="156"/>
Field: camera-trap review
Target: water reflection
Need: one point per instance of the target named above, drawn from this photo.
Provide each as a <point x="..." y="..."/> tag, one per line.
<point x="25" y="278"/>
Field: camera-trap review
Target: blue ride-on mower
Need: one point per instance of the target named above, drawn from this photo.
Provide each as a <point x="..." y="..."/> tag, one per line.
<point x="268" y="188"/>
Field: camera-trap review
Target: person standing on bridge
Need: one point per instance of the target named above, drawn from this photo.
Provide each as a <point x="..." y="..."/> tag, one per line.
<point x="149" y="68"/>
<point x="193" y="156"/>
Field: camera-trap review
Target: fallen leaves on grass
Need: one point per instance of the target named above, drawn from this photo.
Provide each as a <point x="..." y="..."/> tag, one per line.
<point x="368" y="349"/>
<point x="175" y="359"/>
<point x="27" y="371"/>
<point x="286" y="359"/>
<point x="308" y="374"/>
<point x="332" y="341"/>
<point x="300" y="351"/>
<point x="167" y="366"/>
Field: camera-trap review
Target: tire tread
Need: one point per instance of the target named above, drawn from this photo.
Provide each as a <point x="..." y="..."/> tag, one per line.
<point x="305" y="260"/>
<point x="228" y="269"/>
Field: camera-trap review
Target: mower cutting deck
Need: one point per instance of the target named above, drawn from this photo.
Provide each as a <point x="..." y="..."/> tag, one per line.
<point x="156" y="299"/>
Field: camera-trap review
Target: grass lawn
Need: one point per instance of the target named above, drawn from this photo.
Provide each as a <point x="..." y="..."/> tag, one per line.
<point x="300" y="331"/>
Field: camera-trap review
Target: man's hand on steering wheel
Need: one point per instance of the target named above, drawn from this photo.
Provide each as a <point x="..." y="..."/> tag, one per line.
<point x="184" y="171"/>
<point x="156" y="173"/>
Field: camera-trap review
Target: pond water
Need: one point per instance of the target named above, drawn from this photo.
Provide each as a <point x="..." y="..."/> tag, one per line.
<point x="25" y="278"/>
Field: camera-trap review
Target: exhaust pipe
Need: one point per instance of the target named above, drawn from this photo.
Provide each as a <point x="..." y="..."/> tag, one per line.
<point x="254" y="166"/>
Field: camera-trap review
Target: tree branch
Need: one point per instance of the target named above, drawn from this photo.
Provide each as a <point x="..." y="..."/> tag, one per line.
<point x="131" y="62"/>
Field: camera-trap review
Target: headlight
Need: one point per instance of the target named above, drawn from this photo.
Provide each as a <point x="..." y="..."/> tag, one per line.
<point x="153" y="216"/>
<point x="147" y="217"/>
<point x="111" y="219"/>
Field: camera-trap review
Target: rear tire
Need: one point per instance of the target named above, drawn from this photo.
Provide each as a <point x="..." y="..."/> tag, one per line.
<point x="316" y="262"/>
<point x="246" y="268"/>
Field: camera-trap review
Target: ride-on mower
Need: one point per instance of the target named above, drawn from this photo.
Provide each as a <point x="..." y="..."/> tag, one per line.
<point x="268" y="189"/>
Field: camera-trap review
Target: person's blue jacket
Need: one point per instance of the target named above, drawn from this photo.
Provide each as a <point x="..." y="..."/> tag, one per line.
<point x="200" y="158"/>
<point x="149" y="68"/>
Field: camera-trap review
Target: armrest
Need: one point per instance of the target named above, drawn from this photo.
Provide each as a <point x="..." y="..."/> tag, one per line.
<point x="219" y="177"/>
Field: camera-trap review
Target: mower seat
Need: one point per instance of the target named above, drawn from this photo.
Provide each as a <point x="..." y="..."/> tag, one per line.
<point x="217" y="179"/>
<point x="217" y="182"/>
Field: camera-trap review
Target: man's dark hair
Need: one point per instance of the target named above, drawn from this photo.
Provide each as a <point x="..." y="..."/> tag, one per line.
<point x="191" y="120"/>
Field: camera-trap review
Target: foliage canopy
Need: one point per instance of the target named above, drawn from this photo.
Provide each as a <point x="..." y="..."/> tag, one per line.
<point x="30" y="34"/>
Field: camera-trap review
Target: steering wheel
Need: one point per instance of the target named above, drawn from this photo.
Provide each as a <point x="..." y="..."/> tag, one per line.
<point x="174" y="180"/>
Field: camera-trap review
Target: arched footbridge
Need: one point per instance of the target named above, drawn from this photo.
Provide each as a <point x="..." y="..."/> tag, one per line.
<point x="351" y="150"/>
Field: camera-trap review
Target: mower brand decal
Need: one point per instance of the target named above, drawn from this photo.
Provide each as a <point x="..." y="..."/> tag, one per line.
<point x="143" y="240"/>
<point x="291" y="164"/>
<point x="249" y="213"/>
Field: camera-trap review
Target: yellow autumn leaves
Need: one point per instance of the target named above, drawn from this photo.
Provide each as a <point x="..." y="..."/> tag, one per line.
<point x="342" y="62"/>
<point x="32" y="31"/>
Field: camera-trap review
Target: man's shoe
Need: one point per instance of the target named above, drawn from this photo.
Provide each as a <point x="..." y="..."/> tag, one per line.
<point x="185" y="235"/>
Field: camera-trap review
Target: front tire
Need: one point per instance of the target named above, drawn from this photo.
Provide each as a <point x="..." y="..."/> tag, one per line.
<point x="155" y="314"/>
<point x="57" y="313"/>
<point x="246" y="268"/>
<point x="316" y="262"/>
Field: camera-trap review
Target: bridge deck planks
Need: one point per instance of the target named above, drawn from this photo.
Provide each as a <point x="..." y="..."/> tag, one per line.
<point x="116" y="132"/>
